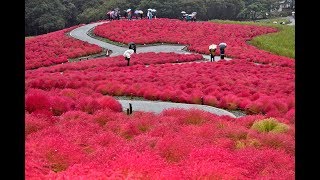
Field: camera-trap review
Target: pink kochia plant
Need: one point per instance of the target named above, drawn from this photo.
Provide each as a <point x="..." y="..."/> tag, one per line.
<point x="55" y="48"/>
<point x="204" y="34"/>
<point x="110" y="103"/>
<point x="180" y="143"/>
<point x="251" y="91"/>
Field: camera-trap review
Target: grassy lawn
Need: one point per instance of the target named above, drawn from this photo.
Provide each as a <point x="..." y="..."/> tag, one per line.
<point x="280" y="43"/>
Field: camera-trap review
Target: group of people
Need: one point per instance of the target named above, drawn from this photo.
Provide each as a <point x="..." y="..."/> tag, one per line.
<point x="213" y="48"/>
<point x="115" y="14"/>
<point x="129" y="14"/>
<point x="189" y="17"/>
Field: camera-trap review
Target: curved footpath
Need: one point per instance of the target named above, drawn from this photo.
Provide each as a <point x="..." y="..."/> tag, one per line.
<point x="158" y="107"/>
<point x="81" y="33"/>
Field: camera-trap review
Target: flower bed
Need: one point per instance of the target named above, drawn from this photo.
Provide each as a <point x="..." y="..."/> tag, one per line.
<point x="236" y="84"/>
<point x="55" y="48"/>
<point x="92" y="140"/>
<point x="197" y="36"/>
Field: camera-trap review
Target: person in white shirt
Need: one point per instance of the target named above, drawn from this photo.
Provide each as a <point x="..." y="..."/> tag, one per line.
<point x="127" y="54"/>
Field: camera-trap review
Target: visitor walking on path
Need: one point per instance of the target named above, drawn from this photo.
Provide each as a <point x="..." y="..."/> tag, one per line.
<point x="133" y="46"/>
<point x="127" y="55"/>
<point x="212" y="49"/>
<point x="222" y="46"/>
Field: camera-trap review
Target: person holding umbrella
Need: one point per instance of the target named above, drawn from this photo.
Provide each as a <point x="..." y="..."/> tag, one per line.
<point x="127" y="55"/>
<point x="194" y="18"/>
<point x="149" y="14"/>
<point x="140" y="13"/>
<point x="125" y="14"/>
<point x="222" y="46"/>
<point x="154" y="13"/>
<point x="183" y="14"/>
<point x="212" y="49"/>
<point x="129" y="14"/>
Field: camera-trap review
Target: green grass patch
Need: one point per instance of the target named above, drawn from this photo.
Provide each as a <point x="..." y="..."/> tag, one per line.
<point x="269" y="125"/>
<point x="281" y="43"/>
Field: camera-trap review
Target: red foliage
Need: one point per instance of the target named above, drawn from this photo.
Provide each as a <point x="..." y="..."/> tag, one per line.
<point x="203" y="34"/>
<point x="73" y="131"/>
<point x="37" y="100"/>
<point x="110" y="103"/>
<point x="234" y="84"/>
<point x="55" y="48"/>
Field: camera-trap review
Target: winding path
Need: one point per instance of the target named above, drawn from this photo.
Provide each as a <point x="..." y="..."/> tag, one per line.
<point x="158" y="107"/>
<point x="81" y="33"/>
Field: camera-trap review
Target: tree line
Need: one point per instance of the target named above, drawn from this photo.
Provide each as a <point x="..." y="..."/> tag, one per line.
<point x="43" y="16"/>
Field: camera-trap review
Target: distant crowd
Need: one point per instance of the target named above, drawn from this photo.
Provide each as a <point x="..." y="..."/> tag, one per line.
<point x="129" y="14"/>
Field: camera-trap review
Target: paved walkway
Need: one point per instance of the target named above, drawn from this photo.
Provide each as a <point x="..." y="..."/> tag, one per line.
<point x="81" y="33"/>
<point x="157" y="107"/>
<point x="292" y="20"/>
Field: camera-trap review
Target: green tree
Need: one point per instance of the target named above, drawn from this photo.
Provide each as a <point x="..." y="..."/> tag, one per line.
<point x="43" y="16"/>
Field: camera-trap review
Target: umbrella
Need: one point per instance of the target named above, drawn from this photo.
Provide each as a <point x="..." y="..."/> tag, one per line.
<point x="153" y="10"/>
<point x="128" y="10"/>
<point x="131" y="45"/>
<point x="194" y="12"/>
<point x="149" y="9"/>
<point x="223" y="45"/>
<point x="213" y="46"/>
<point x="136" y="11"/>
<point x="128" y="53"/>
<point x="183" y="12"/>
<point x="140" y="11"/>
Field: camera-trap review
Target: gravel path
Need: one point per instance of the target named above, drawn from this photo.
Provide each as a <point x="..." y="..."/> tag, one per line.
<point x="81" y="33"/>
<point x="158" y="106"/>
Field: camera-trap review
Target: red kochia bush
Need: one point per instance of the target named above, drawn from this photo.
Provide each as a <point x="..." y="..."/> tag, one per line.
<point x="37" y="100"/>
<point x="60" y="105"/>
<point x="111" y="103"/>
<point x="55" y="48"/>
<point x="88" y="104"/>
<point x="235" y="84"/>
<point x="203" y="34"/>
<point x="176" y="143"/>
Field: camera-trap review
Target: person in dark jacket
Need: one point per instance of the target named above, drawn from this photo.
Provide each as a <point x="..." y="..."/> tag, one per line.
<point x="222" y="47"/>
<point x="133" y="46"/>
